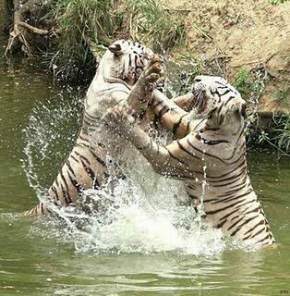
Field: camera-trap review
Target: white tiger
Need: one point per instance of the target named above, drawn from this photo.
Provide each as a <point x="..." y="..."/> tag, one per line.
<point x="210" y="156"/>
<point x="86" y="167"/>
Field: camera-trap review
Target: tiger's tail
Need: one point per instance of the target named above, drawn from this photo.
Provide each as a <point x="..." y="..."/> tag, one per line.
<point x="39" y="210"/>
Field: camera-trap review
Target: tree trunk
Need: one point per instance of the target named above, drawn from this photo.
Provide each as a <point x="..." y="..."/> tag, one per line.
<point x="22" y="33"/>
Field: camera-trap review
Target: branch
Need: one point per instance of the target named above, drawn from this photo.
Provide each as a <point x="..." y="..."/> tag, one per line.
<point x="33" y="29"/>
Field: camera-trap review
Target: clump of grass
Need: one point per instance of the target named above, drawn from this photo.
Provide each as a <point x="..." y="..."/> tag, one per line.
<point x="283" y="96"/>
<point x="153" y="24"/>
<point x="251" y="85"/>
<point x="283" y="133"/>
<point x="86" y="27"/>
<point x="243" y="82"/>
<point x="276" y="2"/>
<point x="80" y="23"/>
<point x="278" y="137"/>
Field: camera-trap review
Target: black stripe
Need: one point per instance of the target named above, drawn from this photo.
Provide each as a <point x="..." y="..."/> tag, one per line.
<point x="258" y="232"/>
<point x="235" y="190"/>
<point x="82" y="138"/>
<point x="204" y="153"/>
<point x="82" y="157"/>
<point x="173" y="156"/>
<point x="86" y="122"/>
<point x="74" y="182"/>
<point x="251" y="229"/>
<point x="96" y="183"/>
<point x="177" y="124"/>
<point x="226" y="92"/>
<point x="70" y="167"/>
<point x="74" y="158"/>
<point x="54" y="191"/>
<point x="186" y="151"/>
<point x="66" y="187"/>
<point x="193" y="196"/>
<point x="221" y="224"/>
<point x="242" y="165"/>
<point x="228" y="100"/>
<point x="232" y="179"/>
<point x="233" y="197"/>
<point x="239" y="202"/>
<point x="90" y="116"/>
<point x="241" y="225"/>
<point x="89" y="171"/>
<point x="213" y="142"/>
<point x="161" y="112"/>
<point x="156" y="104"/>
<point x="268" y="236"/>
<point x="64" y="195"/>
<point x="103" y="163"/>
<point x="220" y="83"/>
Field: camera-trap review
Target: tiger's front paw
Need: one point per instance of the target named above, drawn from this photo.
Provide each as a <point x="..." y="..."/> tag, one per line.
<point x="142" y="91"/>
<point x="151" y="75"/>
<point x="120" y="119"/>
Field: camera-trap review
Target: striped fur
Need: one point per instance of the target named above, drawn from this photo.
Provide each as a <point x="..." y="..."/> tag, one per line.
<point x="214" y="146"/>
<point x="86" y="167"/>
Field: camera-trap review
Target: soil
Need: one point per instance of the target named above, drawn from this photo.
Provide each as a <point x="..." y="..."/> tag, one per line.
<point x="246" y="34"/>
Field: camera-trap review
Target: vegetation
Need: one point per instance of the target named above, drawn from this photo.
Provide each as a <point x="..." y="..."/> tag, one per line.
<point x="78" y="30"/>
<point x="275" y="2"/>
<point x="70" y="35"/>
<point x="153" y="24"/>
<point x="251" y="86"/>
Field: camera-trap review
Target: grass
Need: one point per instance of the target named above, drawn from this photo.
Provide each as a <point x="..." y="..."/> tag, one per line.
<point x="276" y="2"/>
<point x="80" y="23"/>
<point x="251" y="85"/>
<point x="278" y="137"/>
<point x="283" y="133"/>
<point x="154" y="25"/>
<point x="243" y="82"/>
<point x="282" y="96"/>
<point x="86" y="27"/>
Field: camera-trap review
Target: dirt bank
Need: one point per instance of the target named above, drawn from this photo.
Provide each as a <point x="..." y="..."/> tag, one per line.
<point x="243" y="34"/>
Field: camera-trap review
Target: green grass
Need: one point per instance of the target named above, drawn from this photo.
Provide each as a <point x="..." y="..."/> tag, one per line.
<point x="80" y="23"/>
<point x="283" y="96"/>
<point x="278" y="137"/>
<point x="154" y="25"/>
<point x="86" y="27"/>
<point x="243" y="82"/>
<point x="276" y="2"/>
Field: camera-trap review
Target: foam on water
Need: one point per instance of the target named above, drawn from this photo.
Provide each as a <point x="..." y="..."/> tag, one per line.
<point x="139" y="213"/>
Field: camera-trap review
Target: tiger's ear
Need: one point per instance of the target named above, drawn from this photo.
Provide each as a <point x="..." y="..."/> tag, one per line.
<point x="240" y="111"/>
<point x="116" y="49"/>
<point x="243" y="111"/>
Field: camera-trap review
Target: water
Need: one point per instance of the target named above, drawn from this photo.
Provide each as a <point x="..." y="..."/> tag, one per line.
<point x="151" y="248"/>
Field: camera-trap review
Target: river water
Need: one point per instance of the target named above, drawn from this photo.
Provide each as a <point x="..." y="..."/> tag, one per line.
<point x="143" y="252"/>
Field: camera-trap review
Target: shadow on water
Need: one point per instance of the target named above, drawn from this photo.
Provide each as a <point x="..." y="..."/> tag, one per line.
<point x="147" y="255"/>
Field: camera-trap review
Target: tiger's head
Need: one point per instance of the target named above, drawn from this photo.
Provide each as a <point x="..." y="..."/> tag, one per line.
<point x="124" y="60"/>
<point x="216" y="99"/>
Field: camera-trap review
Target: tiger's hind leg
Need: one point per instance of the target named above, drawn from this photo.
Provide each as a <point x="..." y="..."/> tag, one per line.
<point x="85" y="168"/>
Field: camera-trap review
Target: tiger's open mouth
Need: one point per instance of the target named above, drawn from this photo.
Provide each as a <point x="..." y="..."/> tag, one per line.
<point x="199" y="101"/>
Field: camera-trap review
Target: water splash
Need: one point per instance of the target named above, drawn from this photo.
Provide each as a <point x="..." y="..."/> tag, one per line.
<point x="142" y="213"/>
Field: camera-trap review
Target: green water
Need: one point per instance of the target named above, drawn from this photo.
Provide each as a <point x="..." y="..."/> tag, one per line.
<point x="33" y="263"/>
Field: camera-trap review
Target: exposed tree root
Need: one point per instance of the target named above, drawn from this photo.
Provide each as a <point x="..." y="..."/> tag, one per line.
<point x="20" y="34"/>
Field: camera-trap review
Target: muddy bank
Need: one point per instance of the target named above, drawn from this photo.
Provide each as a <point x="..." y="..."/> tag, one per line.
<point x="249" y="35"/>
